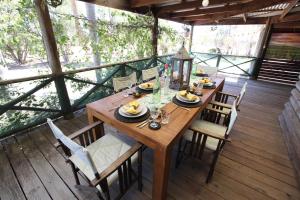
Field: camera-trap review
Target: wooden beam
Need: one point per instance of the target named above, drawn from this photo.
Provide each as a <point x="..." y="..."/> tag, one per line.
<point x="53" y="57"/>
<point x="292" y="17"/>
<point x="191" y="38"/>
<point x="154" y="36"/>
<point x="236" y="21"/>
<point x="244" y="8"/>
<point x="48" y="36"/>
<point x="119" y="4"/>
<point x="221" y="9"/>
<point x="288" y="8"/>
<point x="140" y="3"/>
<point x="245" y="17"/>
<point x="193" y="4"/>
<point x="262" y="48"/>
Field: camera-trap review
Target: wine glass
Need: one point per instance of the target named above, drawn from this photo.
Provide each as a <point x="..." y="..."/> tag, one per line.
<point x="128" y="90"/>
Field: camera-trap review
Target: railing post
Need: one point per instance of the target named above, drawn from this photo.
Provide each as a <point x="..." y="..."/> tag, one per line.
<point x="218" y="60"/>
<point x="53" y="57"/>
<point x="262" y="49"/>
<point x="154" y="38"/>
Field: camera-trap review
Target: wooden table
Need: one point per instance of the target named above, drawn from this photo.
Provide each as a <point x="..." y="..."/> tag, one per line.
<point x="160" y="141"/>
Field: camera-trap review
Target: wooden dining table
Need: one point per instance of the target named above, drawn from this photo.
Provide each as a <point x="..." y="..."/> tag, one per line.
<point x="162" y="140"/>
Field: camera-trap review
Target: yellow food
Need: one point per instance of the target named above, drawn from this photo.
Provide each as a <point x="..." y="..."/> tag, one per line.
<point x="132" y="110"/>
<point x="205" y="80"/>
<point x="191" y="97"/>
<point x="134" y="104"/>
<point x="200" y="71"/>
<point x="147" y="85"/>
<point x="183" y="93"/>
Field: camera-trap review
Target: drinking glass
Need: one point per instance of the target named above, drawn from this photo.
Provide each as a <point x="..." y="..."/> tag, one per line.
<point x="128" y="90"/>
<point x="165" y="117"/>
<point x="154" y="112"/>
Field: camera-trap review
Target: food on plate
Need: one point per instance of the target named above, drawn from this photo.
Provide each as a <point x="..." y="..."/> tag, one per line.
<point x="200" y="71"/>
<point x="191" y="97"/>
<point x="183" y="93"/>
<point x="205" y="81"/>
<point x="147" y="85"/>
<point x="134" y="104"/>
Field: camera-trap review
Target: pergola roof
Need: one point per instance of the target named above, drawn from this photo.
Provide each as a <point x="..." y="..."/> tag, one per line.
<point x="217" y="12"/>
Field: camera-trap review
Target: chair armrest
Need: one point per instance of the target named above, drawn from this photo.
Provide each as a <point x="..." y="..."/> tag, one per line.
<point x="227" y="94"/>
<point x="116" y="164"/>
<point x="217" y="111"/>
<point x="224" y="105"/>
<point x="80" y="132"/>
<point x="214" y="136"/>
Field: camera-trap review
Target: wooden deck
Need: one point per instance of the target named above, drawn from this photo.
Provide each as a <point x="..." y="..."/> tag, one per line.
<point x="254" y="166"/>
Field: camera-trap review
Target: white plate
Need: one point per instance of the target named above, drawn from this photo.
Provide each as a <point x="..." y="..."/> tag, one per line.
<point x="208" y="84"/>
<point x="184" y="100"/>
<point x="125" y="114"/>
<point x="145" y="88"/>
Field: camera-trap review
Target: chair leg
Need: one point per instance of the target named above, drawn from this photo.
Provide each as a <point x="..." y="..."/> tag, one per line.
<point x="202" y="147"/>
<point x="213" y="164"/>
<point x="105" y="189"/>
<point x="100" y="195"/>
<point x="140" y="169"/>
<point x="177" y="162"/>
<point x="75" y="173"/>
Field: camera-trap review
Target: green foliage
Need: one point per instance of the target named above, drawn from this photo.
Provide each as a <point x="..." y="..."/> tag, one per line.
<point x="19" y="35"/>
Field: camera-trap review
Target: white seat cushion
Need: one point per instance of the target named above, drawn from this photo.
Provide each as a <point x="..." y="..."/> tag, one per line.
<point x="211" y="143"/>
<point x="104" y="152"/>
<point x="209" y="128"/>
<point x="203" y="126"/>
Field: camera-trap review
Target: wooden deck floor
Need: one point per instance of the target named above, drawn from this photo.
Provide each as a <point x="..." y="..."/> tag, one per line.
<point x="254" y="166"/>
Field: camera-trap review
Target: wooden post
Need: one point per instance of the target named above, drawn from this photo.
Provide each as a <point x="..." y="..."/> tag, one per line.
<point x="191" y="39"/>
<point x="154" y="38"/>
<point x="53" y="56"/>
<point x="262" y="48"/>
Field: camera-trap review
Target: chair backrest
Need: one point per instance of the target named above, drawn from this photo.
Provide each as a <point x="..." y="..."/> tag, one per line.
<point x="120" y="83"/>
<point x="148" y="74"/>
<point x="241" y="95"/>
<point x="208" y="70"/>
<point x="76" y="149"/>
<point x="233" y="117"/>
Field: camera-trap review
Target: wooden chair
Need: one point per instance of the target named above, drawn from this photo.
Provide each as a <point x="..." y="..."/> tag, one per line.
<point x="206" y="134"/>
<point x="148" y="74"/>
<point x="124" y="82"/>
<point x="221" y="100"/>
<point x="102" y="159"/>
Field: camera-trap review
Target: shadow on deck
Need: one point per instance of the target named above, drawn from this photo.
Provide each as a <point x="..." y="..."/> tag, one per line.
<point x="255" y="165"/>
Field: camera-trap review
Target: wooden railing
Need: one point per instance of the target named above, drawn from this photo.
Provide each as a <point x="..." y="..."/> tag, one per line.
<point x="21" y="109"/>
<point x="229" y="64"/>
<point x="27" y="102"/>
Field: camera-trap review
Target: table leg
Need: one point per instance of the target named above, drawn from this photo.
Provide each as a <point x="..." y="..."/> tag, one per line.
<point x="97" y="131"/>
<point x="162" y="157"/>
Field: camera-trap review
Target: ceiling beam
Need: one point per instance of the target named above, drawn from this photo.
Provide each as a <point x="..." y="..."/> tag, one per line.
<point x="288" y="8"/>
<point x="119" y="4"/>
<point x="244" y="8"/>
<point x="193" y="4"/>
<point x="292" y="18"/>
<point x="140" y="3"/>
<point x="203" y="11"/>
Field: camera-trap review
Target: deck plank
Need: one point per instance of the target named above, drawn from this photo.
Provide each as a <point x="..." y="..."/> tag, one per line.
<point x="29" y="181"/>
<point x="255" y="165"/>
<point x="9" y="186"/>
<point x="54" y="184"/>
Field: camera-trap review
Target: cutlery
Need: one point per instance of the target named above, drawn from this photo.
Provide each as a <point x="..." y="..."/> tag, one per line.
<point x="142" y="123"/>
